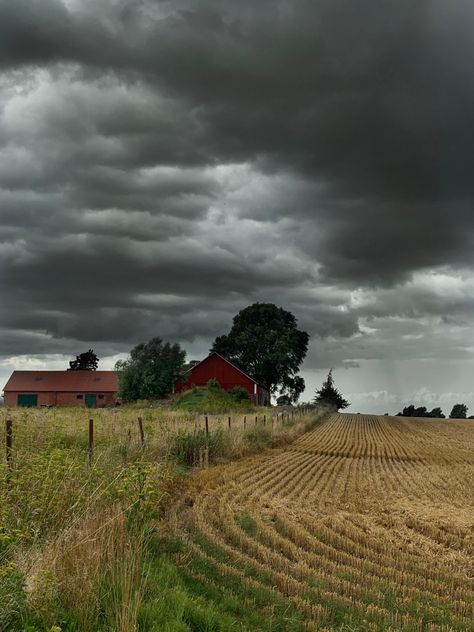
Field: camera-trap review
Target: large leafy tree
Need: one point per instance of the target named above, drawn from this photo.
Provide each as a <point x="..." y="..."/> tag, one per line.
<point x="87" y="361"/>
<point x="459" y="411"/>
<point x="151" y="371"/>
<point x="266" y="343"/>
<point x="329" y="395"/>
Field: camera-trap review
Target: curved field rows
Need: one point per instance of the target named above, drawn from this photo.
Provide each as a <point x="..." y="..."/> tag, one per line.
<point x="365" y="523"/>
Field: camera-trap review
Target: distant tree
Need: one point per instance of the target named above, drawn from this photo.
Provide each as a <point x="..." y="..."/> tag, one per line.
<point x="436" y="413"/>
<point x="459" y="411"/>
<point x="189" y="365"/>
<point x="421" y="411"/>
<point x="407" y="411"/>
<point x="87" y="361"/>
<point x="264" y="341"/>
<point x="329" y="395"/>
<point x="292" y="387"/>
<point x="151" y="371"/>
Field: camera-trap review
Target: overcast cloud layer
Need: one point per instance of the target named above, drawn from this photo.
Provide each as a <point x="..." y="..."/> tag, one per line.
<point x="164" y="164"/>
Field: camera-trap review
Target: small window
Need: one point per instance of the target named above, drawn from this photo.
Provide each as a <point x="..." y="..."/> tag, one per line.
<point x="38" y="378"/>
<point x="80" y="396"/>
<point x="97" y="379"/>
<point x="100" y="396"/>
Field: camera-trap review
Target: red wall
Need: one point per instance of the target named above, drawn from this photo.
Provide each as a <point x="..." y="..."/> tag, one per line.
<point x="50" y="398"/>
<point x="215" y="368"/>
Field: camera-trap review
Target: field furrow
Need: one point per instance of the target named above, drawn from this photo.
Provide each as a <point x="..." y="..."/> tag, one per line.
<point x="364" y="523"/>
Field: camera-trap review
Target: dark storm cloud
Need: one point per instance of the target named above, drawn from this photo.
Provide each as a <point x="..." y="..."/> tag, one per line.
<point x="220" y="153"/>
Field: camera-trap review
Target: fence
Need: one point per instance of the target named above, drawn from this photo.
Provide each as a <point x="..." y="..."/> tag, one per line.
<point x="207" y="423"/>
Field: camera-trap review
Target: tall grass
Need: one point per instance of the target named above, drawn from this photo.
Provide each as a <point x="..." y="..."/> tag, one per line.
<point x="77" y="544"/>
<point x="213" y="400"/>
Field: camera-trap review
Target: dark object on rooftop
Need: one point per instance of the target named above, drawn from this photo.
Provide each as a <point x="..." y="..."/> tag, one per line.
<point x="87" y="361"/>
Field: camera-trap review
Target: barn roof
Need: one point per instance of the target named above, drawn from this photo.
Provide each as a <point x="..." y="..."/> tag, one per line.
<point x="61" y="381"/>
<point x="214" y="353"/>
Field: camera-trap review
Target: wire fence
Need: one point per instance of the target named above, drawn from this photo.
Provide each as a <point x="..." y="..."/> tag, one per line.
<point x="31" y="430"/>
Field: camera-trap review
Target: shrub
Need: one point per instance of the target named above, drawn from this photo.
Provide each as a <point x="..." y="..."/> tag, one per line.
<point x="213" y="386"/>
<point x="239" y="393"/>
<point x="188" y="445"/>
<point x="259" y="438"/>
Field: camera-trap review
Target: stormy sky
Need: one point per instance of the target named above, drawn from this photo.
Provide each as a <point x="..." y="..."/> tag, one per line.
<point x="165" y="163"/>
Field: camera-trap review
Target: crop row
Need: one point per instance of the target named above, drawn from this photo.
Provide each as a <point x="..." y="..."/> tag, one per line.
<point x="362" y="522"/>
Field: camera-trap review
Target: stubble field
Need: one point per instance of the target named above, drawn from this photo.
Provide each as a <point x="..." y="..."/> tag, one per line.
<point x="364" y="523"/>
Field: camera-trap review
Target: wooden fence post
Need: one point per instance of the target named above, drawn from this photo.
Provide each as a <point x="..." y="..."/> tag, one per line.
<point x="207" y="426"/>
<point x="245" y="422"/>
<point x="90" y="448"/>
<point x="229" y="422"/>
<point x="264" y="420"/>
<point x="256" y="419"/>
<point x="9" y="441"/>
<point x="142" y="432"/>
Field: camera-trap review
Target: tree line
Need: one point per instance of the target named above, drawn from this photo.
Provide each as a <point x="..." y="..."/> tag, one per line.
<point x="264" y="341"/>
<point x="459" y="411"/>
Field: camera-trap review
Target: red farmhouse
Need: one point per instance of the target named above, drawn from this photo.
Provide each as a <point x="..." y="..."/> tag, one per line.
<point x="61" y="388"/>
<point x="216" y="367"/>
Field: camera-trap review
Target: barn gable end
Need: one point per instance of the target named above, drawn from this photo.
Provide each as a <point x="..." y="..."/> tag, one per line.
<point x="216" y="367"/>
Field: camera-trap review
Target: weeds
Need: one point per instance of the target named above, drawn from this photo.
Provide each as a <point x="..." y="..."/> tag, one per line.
<point x="77" y="545"/>
<point x="188" y="447"/>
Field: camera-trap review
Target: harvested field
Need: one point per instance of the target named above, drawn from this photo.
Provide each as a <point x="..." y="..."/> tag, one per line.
<point x="364" y="523"/>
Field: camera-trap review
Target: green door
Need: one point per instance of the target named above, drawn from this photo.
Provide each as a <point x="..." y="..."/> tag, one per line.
<point x="27" y="400"/>
<point x="90" y="400"/>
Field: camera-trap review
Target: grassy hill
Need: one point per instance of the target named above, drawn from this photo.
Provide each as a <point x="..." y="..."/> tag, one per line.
<point x="213" y="400"/>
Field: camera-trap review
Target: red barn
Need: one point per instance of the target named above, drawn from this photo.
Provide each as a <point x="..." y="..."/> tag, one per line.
<point x="216" y="367"/>
<point x="62" y="388"/>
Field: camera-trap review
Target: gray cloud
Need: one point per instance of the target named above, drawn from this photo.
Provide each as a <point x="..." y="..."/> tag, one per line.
<point x="163" y="164"/>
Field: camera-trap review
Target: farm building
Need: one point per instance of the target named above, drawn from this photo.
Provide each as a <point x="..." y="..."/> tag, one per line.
<point x="216" y="367"/>
<point x="61" y="388"/>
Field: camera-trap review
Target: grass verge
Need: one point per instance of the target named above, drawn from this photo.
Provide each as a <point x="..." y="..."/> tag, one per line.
<point x="78" y="548"/>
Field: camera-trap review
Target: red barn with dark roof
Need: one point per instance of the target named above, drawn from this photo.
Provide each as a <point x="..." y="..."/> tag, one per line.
<point x="216" y="367"/>
<point x="61" y="388"/>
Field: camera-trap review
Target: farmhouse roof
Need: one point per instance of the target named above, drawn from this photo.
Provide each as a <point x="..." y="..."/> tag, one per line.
<point x="214" y="353"/>
<point x="61" y="381"/>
